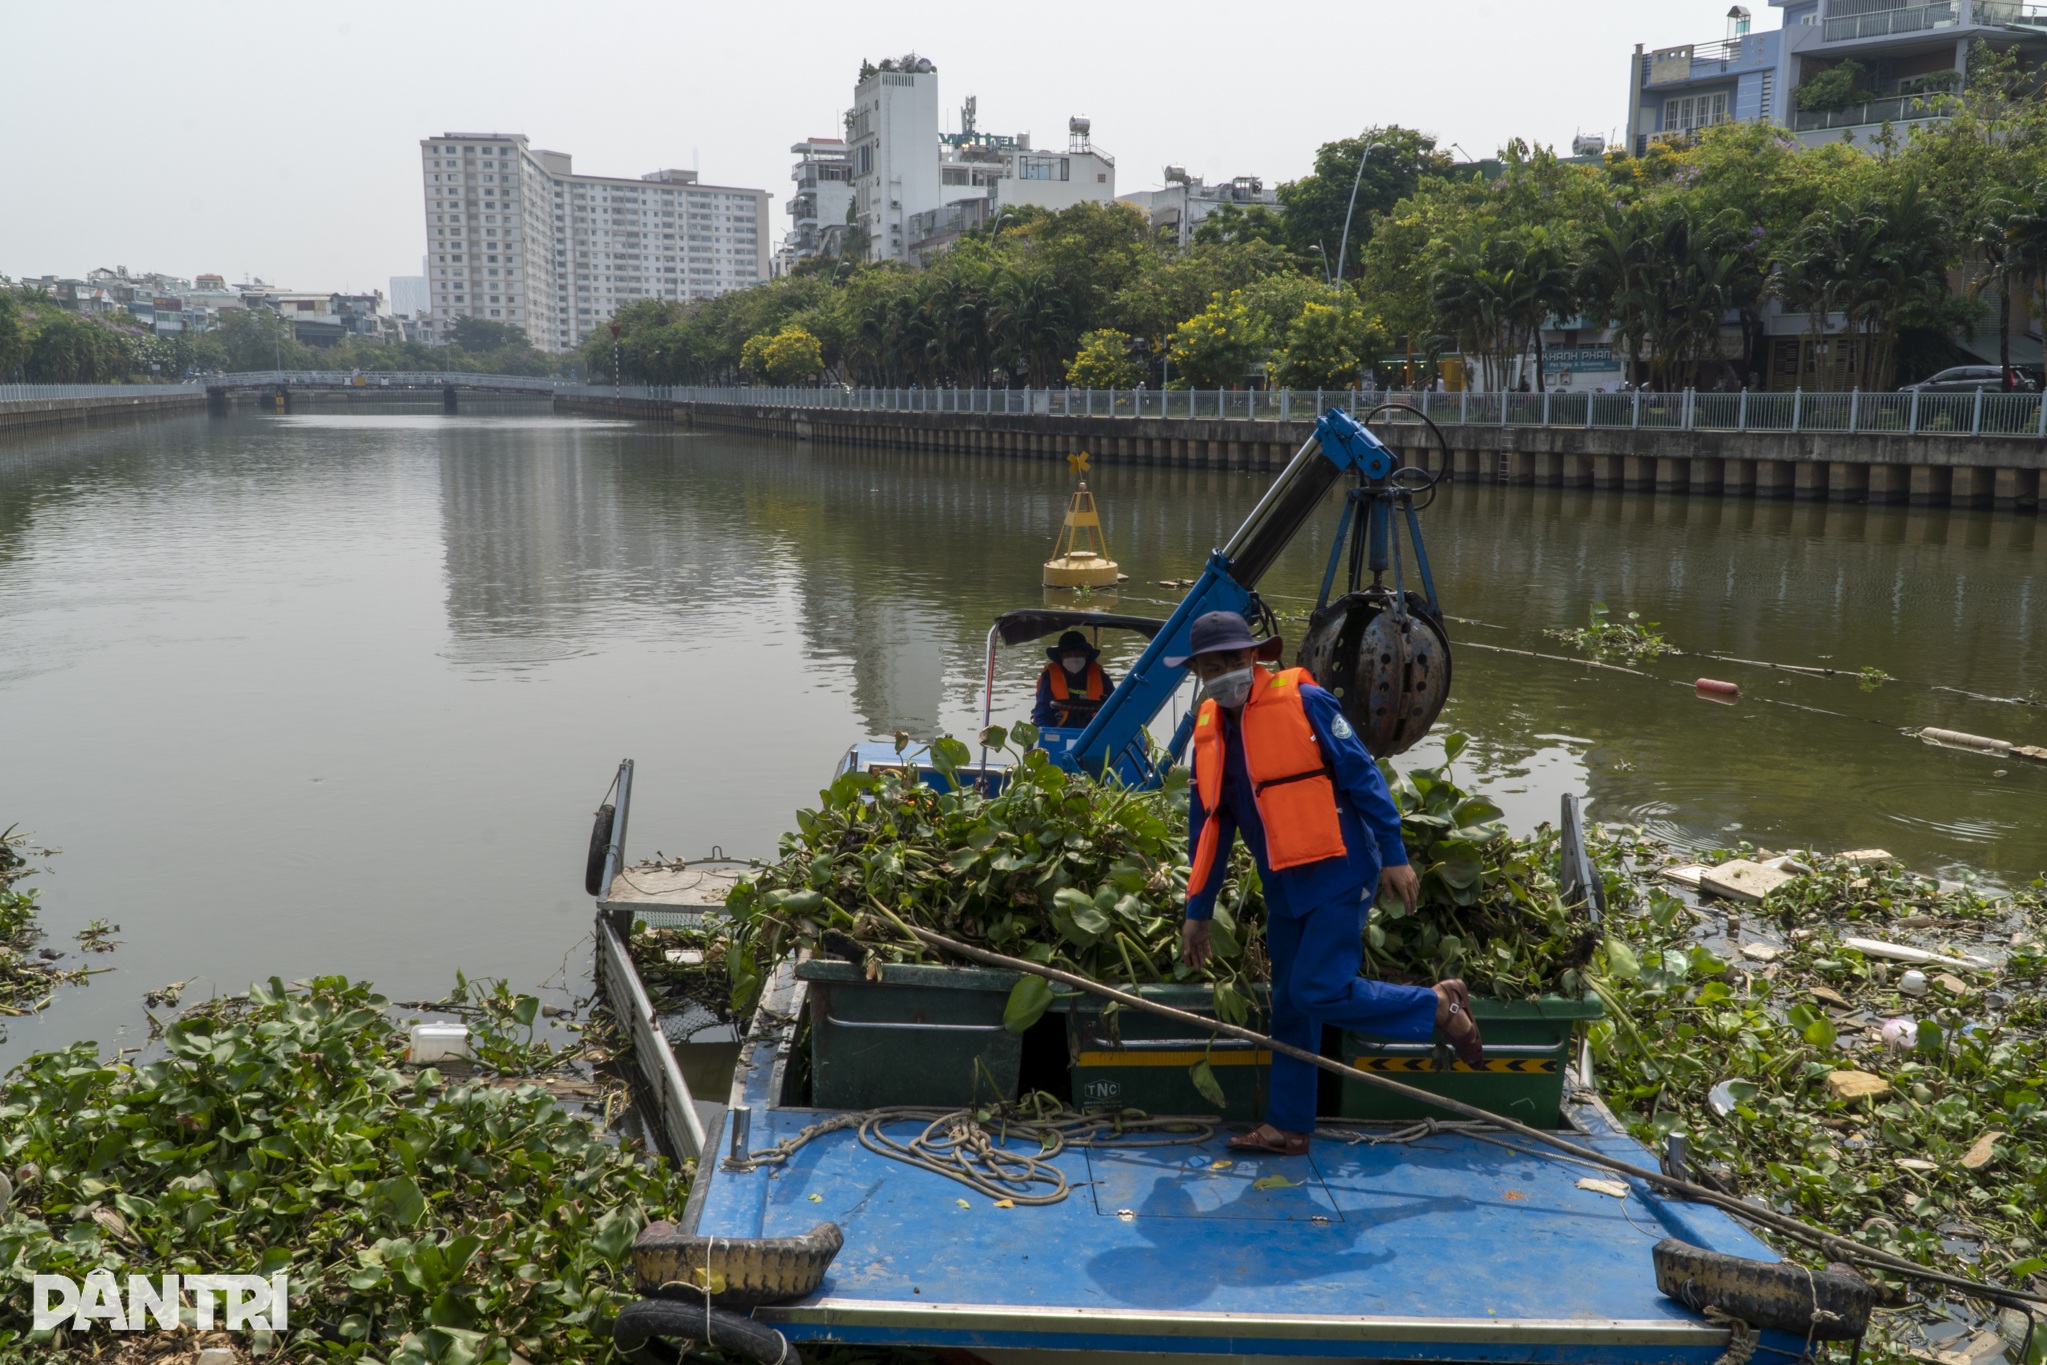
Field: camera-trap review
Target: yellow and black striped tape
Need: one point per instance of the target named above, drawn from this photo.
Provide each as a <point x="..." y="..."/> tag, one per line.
<point x="1511" y="1066"/>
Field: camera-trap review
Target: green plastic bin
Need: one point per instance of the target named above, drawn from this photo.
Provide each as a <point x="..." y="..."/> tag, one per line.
<point x="1528" y="1044"/>
<point x="1140" y="1061"/>
<point x="921" y="1035"/>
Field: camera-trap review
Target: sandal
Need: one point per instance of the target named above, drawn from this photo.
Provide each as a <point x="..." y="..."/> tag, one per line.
<point x="1468" y="1043"/>
<point x="1266" y="1138"/>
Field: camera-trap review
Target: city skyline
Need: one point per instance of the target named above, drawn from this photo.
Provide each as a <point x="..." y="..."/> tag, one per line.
<point x="314" y="184"/>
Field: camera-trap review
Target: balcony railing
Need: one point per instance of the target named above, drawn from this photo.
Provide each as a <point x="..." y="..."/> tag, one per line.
<point x="1886" y="22"/>
<point x="2010" y="12"/>
<point x="1941" y="15"/>
<point x="1897" y="109"/>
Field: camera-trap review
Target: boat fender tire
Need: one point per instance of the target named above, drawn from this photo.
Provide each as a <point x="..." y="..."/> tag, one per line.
<point x="600" y="844"/>
<point x="640" y="1327"/>
<point x="741" y="1271"/>
<point x="1779" y="1296"/>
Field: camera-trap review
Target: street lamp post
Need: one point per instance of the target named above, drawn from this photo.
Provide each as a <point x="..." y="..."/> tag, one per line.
<point x="1343" y="247"/>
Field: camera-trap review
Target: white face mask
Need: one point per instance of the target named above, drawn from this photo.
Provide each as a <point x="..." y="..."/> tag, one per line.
<point x="1229" y="690"/>
<point x="1073" y="663"/>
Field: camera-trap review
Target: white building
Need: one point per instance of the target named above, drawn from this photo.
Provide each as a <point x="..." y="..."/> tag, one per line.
<point x="515" y="236"/>
<point x="1179" y="207"/>
<point x="819" y="209"/>
<point x="892" y="143"/>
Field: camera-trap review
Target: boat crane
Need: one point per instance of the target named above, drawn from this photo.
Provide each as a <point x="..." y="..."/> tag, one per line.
<point x="1415" y="1243"/>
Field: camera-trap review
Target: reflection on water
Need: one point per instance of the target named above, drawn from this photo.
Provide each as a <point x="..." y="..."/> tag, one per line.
<point x="337" y="692"/>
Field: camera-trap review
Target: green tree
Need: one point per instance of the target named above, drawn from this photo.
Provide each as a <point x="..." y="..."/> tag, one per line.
<point x="71" y="349"/>
<point x="1232" y="225"/>
<point x="1104" y="362"/>
<point x="13" y="334"/>
<point x="1834" y="87"/>
<point x="1386" y="165"/>
<point x="481" y="334"/>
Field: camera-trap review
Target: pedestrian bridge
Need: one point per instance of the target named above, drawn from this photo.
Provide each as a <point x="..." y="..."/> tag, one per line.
<point x="331" y="381"/>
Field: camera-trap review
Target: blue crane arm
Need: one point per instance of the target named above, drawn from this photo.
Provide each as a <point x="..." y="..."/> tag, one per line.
<point x="1114" y="741"/>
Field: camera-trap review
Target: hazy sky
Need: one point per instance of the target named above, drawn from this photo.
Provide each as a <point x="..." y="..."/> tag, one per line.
<point x="281" y="139"/>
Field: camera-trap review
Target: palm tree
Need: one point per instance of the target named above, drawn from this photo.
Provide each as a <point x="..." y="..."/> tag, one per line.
<point x="1612" y="278"/>
<point x="1031" y="322"/>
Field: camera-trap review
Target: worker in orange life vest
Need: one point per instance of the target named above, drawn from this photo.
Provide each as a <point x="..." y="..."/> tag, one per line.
<point x="1275" y="758"/>
<point x="1072" y="687"/>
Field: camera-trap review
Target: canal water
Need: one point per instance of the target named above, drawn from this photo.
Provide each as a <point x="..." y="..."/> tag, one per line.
<point x="338" y="694"/>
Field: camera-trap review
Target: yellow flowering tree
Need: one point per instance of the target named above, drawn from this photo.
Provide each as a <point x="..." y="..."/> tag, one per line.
<point x="1104" y="362"/>
<point x="789" y="356"/>
<point x="1328" y="346"/>
<point x="1217" y="347"/>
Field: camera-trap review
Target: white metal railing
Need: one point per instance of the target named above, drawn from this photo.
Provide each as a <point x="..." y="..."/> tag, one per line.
<point x="1914" y="413"/>
<point x="1948" y="414"/>
<point x="383" y="379"/>
<point x="1889" y="21"/>
<point x="30" y="393"/>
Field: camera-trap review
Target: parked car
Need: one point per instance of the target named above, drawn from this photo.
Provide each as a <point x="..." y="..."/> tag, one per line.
<point x="1969" y="378"/>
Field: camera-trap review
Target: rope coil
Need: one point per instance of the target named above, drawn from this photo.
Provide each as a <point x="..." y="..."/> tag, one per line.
<point x="968" y="1146"/>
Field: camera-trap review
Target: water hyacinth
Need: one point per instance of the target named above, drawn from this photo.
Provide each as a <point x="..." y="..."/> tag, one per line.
<point x="419" y="1221"/>
<point x="1061" y="870"/>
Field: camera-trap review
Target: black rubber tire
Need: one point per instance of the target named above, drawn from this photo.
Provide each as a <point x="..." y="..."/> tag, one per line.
<point x="600" y="844"/>
<point x="638" y="1325"/>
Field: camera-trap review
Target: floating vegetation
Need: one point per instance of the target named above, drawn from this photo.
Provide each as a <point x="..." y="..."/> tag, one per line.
<point x="28" y="978"/>
<point x="1808" y="1074"/>
<point x="420" y="1219"/>
<point x="1870" y="678"/>
<point x="1604" y="638"/>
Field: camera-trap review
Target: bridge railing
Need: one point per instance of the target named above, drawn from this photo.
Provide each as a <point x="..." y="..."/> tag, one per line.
<point x="1947" y="414"/>
<point x="383" y="379"/>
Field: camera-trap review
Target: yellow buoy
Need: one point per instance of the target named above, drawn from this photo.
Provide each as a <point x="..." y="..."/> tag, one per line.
<point x="1080" y="558"/>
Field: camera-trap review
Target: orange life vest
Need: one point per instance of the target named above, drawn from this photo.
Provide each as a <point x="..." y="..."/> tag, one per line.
<point x="1289" y="777"/>
<point x="1062" y="692"/>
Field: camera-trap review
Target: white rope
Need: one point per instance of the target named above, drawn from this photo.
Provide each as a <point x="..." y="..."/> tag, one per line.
<point x="959" y="1145"/>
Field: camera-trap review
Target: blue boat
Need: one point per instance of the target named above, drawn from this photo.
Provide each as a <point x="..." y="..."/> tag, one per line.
<point x="1398" y="1240"/>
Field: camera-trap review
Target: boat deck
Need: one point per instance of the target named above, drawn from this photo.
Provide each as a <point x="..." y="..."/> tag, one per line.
<point x="1446" y="1247"/>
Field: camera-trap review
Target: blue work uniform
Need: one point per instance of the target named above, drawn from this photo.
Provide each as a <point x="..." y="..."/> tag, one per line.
<point x="1315" y="913"/>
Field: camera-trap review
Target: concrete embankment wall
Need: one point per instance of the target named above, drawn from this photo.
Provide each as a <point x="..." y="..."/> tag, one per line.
<point x="28" y="414"/>
<point x="1927" y="470"/>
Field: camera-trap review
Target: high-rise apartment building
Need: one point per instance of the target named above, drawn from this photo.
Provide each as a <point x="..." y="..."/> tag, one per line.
<point x="515" y="236"/>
